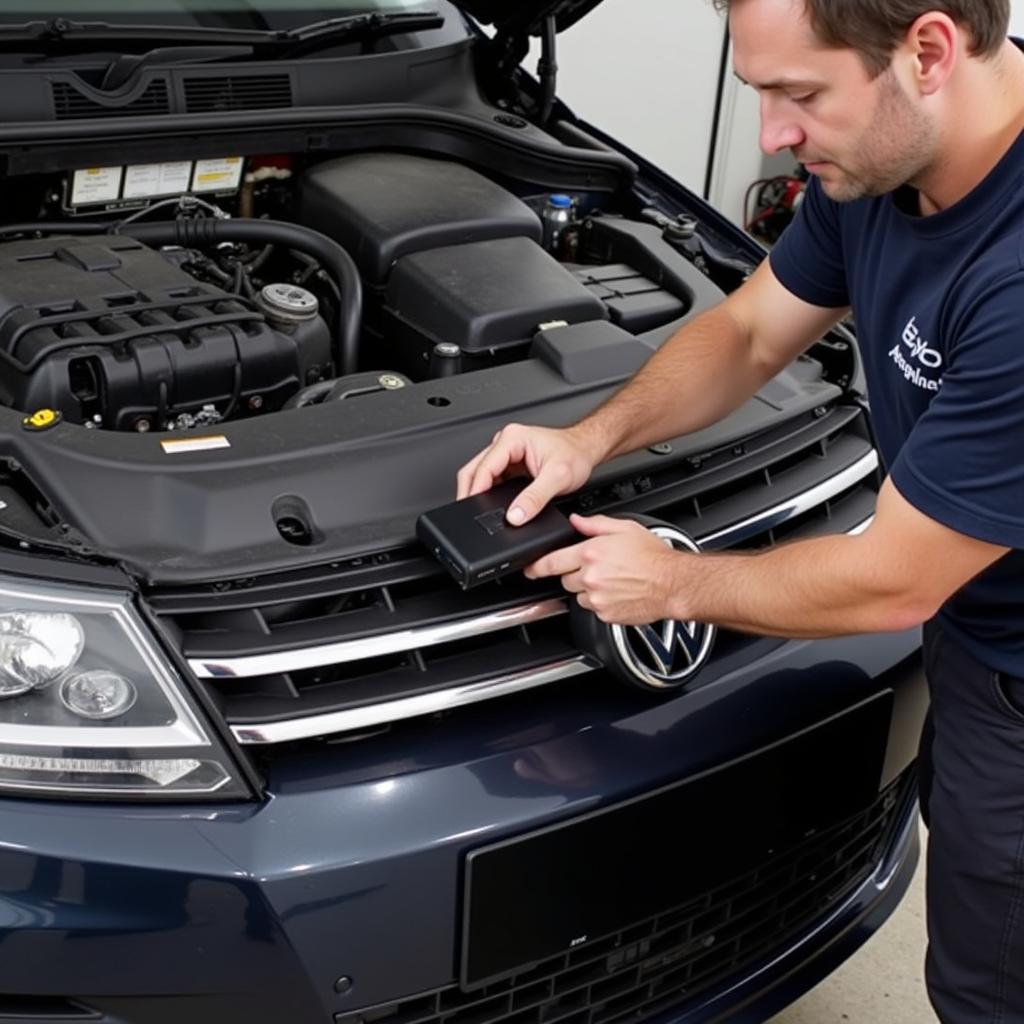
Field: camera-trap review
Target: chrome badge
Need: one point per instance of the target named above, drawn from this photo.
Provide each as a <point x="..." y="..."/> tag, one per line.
<point x="663" y="655"/>
<point x="659" y="656"/>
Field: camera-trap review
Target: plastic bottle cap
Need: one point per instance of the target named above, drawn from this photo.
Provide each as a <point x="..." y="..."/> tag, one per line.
<point x="560" y="200"/>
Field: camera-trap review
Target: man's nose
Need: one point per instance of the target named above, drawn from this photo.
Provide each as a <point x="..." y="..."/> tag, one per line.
<point x="778" y="132"/>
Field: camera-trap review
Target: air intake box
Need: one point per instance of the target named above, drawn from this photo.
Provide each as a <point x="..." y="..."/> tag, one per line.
<point x="487" y="295"/>
<point x="383" y="206"/>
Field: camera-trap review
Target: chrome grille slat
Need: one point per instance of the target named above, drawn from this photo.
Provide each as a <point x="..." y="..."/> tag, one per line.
<point x="441" y="700"/>
<point x="785" y="511"/>
<point x="412" y="639"/>
<point x="352" y="719"/>
<point x="375" y="646"/>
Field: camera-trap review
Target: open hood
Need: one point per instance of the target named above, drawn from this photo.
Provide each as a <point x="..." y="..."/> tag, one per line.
<point x="525" y="17"/>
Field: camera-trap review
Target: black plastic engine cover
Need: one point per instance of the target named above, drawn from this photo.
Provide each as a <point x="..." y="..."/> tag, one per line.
<point x="486" y="295"/>
<point x="383" y="206"/>
<point x="96" y="326"/>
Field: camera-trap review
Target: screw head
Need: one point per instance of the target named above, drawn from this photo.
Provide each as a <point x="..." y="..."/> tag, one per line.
<point x="663" y="448"/>
<point x="343" y="985"/>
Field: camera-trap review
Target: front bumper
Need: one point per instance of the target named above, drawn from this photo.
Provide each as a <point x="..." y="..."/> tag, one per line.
<point x="340" y="897"/>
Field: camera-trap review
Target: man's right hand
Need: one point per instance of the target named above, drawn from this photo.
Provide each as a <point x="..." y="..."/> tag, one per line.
<point x="558" y="460"/>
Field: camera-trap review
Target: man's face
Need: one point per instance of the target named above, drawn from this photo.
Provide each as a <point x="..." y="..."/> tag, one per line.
<point x="860" y="136"/>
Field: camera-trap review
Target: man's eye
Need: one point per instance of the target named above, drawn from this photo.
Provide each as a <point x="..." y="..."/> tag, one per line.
<point x="804" y="97"/>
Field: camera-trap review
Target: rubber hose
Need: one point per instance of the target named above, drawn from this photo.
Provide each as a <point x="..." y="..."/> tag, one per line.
<point x="309" y="395"/>
<point x="200" y="233"/>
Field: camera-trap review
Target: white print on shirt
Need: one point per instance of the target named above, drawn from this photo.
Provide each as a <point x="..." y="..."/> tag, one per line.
<point x="920" y="351"/>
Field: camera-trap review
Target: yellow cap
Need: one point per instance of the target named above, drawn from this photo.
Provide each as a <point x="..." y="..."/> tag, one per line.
<point x="41" y="419"/>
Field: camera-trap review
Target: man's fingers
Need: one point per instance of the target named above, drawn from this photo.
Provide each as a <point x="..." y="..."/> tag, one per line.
<point x="486" y="469"/>
<point x="465" y="476"/>
<point x="549" y="456"/>
<point x="599" y="526"/>
<point x="557" y="563"/>
<point x="551" y="479"/>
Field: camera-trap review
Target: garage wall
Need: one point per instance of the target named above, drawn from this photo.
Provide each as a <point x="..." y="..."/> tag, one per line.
<point x="646" y="71"/>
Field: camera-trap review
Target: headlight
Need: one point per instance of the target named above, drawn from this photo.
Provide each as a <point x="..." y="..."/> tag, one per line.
<point x="90" y="706"/>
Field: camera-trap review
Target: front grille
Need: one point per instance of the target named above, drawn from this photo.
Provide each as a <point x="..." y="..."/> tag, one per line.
<point x="237" y="92"/>
<point x="669" y="959"/>
<point x="389" y="636"/>
<point x="70" y="104"/>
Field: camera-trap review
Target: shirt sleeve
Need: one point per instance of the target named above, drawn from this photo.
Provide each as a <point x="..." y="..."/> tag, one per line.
<point x="808" y="258"/>
<point x="963" y="462"/>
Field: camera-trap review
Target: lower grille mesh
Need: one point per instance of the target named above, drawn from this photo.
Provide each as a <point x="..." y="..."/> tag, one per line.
<point x="666" y="960"/>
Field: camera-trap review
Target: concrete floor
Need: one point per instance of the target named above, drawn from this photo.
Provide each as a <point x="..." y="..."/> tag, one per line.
<point x="884" y="982"/>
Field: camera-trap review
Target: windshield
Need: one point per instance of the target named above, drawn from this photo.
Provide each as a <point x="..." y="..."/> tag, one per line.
<point x="255" y="14"/>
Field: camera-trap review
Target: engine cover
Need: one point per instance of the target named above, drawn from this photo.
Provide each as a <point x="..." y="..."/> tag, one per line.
<point x="107" y="330"/>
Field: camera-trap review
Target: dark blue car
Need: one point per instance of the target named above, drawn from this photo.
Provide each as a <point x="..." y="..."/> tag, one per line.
<point x="269" y="274"/>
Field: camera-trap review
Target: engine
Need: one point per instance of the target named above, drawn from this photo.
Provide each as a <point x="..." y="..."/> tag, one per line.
<point x="111" y="333"/>
<point x="379" y="269"/>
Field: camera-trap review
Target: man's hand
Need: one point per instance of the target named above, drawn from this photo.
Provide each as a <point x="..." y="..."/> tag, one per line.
<point x="623" y="573"/>
<point x="558" y="460"/>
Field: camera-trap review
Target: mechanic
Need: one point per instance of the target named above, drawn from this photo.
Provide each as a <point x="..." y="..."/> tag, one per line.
<point x="909" y="116"/>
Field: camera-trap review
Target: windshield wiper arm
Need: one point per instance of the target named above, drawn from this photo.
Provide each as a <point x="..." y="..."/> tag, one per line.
<point x="317" y="33"/>
<point x="122" y="68"/>
<point x="369" y="24"/>
<point x="66" y="31"/>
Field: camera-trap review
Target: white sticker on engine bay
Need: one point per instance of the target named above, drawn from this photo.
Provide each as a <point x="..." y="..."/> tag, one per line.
<point x="96" y="185"/>
<point x="143" y="181"/>
<point x="214" y="175"/>
<point x="195" y="444"/>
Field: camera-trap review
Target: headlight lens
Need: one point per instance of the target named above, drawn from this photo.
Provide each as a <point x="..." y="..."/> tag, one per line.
<point x="97" y="694"/>
<point x="35" y="648"/>
<point x="90" y="706"/>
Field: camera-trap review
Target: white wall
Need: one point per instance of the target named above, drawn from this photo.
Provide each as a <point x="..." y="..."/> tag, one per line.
<point x="1017" y="18"/>
<point x="646" y="71"/>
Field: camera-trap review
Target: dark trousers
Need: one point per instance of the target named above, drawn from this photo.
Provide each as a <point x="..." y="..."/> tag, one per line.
<point x="972" y="799"/>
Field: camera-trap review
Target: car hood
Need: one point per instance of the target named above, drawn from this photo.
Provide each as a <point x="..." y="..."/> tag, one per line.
<point x="516" y="17"/>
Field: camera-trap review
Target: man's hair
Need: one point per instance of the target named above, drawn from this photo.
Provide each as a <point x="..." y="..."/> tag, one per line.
<point x="874" y="28"/>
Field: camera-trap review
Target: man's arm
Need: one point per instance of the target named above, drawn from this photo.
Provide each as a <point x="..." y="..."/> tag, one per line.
<point x="891" y="577"/>
<point x="708" y="368"/>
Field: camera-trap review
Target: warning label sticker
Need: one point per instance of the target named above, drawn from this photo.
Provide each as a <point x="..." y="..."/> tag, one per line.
<point x="195" y="444"/>
<point x="214" y="175"/>
<point x="96" y="185"/>
<point x="141" y="181"/>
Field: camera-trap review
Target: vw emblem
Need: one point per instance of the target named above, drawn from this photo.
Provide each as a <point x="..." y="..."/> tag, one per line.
<point x="659" y="656"/>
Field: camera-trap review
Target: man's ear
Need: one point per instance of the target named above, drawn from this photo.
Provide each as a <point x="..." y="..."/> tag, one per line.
<point x="933" y="44"/>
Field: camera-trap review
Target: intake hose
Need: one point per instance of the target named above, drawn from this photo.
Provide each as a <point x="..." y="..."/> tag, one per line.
<point x="209" y="232"/>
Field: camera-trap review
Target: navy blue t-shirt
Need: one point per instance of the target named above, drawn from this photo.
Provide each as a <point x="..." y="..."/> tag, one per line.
<point x="938" y="302"/>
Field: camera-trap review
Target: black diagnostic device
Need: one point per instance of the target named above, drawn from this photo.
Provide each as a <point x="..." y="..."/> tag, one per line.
<point x="474" y="541"/>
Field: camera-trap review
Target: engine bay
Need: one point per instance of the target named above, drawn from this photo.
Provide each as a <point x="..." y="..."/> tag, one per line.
<point x="297" y="284"/>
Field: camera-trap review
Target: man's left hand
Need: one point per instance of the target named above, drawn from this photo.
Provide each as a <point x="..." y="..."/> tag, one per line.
<point x="623" y="573"/>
